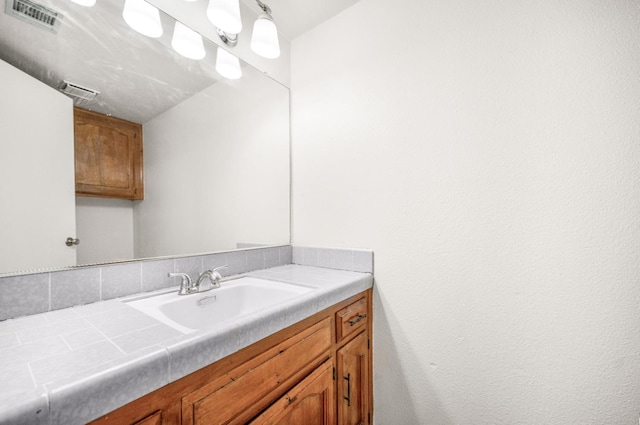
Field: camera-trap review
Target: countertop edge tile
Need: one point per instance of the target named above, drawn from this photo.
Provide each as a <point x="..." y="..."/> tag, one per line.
<point x="193" y="353"/>
<point x="98" y="392"/>
<point x="26" y="409"/>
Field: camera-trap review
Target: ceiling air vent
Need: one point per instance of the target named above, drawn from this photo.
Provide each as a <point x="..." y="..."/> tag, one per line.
<point x="78" y="92"/>
<point x="35" y="13"/>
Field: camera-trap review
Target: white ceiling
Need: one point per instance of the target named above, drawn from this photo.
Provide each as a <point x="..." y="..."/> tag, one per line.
<point x="95" y="48"/>
<point x="295" y="17"/>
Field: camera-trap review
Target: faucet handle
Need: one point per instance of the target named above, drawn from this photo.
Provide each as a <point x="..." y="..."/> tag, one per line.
<point x="185" y="282"/>
<point x="216" y="276"/>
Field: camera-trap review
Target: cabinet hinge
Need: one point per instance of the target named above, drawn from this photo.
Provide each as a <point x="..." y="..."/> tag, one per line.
<point x="369" y="418"/>
<point x="368" y="344"/>
<point x="334" y="373"/>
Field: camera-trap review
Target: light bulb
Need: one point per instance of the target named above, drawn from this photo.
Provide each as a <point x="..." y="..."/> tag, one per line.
<point x="142" y="17"/>
<point x="87" y="3"/>
<point x="228" y="65"/>
<point x="264" y="39"/>
<point x="187" y="42"/>
<point x="225" y="15"/>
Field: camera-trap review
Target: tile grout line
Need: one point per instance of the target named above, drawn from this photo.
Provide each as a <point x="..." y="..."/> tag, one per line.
<point x="106" y="338"/>
<point x="61" y="336"/>
<point x="33" y="377"/>
<point x="137" y="330"/>
<point x="100" y="284"/>
<point x="140" y="276"/>
<point x="49" y="287"/>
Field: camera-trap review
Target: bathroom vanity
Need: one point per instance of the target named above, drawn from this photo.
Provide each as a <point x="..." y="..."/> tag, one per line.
<point x="305" y="360"/>
<point x="317" y="371"/>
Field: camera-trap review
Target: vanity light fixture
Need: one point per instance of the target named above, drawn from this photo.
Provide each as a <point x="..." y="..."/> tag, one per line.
<point x="87" y="3"/>
<point x="187" y="42"/>
<point x="142" y="17"/>
<point x="228" y="65"/>
<point x="264" y="39"/>
<point x="225" y="15"/>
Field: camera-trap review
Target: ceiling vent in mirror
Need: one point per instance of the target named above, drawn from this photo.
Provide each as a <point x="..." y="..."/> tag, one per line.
<point x="78" y="93"/>
<point x="35" y="13"/>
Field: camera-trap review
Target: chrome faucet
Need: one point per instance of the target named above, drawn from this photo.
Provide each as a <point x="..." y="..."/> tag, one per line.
<point x="188" y="287"/>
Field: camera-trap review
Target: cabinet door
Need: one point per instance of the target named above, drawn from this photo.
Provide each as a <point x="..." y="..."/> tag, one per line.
<point x="311" y="402"/>
<point x="353" y="382"/>
<point x="108" y="155"/>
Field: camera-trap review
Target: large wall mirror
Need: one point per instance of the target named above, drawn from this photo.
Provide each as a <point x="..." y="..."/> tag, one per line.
<point x="216" y="150"/>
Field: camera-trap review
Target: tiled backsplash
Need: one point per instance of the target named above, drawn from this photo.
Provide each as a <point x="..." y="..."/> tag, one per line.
<point x="357" y="260"/>
<point x="40" y="292"/>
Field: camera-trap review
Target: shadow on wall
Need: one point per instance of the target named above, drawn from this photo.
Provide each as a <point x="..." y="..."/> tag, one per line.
<point x="394" y="402"/>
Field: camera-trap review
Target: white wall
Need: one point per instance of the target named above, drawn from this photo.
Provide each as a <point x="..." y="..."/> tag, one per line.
<point x="489" y="153"/>
<point x="37" y="189"/>
<point x="217" y="170"/>
<point x="105" y="229"/>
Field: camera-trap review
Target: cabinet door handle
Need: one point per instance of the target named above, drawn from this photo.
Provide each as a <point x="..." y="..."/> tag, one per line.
<point x="348" y="397"/>
<point x="357" y="319"/>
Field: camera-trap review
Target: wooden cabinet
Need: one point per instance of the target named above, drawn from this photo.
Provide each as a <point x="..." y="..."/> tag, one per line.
<point x="353" y="358"/>
<point x="311" y="373"/>
<point x="108" y="156"/>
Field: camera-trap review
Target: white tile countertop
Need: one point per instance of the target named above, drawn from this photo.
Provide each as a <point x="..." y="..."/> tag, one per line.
<point x="74" y="365"/>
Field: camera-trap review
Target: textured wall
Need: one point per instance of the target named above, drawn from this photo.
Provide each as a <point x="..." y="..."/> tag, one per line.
<point x="488" y="152"/>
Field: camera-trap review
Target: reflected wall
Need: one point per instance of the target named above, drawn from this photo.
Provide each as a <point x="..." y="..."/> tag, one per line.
<point x="217" y="182"/>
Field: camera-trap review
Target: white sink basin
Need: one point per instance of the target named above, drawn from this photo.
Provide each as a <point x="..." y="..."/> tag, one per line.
<point x="234" y="299"/>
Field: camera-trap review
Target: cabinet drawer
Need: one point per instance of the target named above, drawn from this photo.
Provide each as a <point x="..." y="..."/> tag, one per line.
<point x="241" y="393"/>
<point x="351" y="318"/>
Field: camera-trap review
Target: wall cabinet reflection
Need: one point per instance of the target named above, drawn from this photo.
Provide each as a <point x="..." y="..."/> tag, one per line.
<point x="108" y="156"/>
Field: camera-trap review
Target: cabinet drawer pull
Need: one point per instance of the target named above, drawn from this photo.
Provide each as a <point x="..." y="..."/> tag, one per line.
<point x="357" y="319"/>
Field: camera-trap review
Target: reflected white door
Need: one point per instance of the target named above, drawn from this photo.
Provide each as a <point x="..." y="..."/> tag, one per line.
<point x="37" y="179"/>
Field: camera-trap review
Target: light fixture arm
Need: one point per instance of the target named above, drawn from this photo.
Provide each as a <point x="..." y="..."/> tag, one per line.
<point x="264" y="7"/>
<point x="230" y="40"/>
